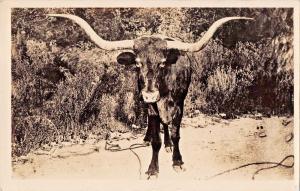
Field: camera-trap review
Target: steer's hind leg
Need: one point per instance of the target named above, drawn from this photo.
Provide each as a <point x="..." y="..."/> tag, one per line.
<point x="175" y="136"/>
<point x="167" y="140"/>
<point x="153" y="125"/>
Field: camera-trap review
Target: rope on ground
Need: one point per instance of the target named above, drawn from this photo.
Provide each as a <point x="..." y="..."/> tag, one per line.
<point x="275" y="164"/>
<point x="140" y="163"/>
<point x="117" y="148"/>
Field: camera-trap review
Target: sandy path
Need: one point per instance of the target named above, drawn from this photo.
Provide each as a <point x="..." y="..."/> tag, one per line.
<point x="208" y="146"/>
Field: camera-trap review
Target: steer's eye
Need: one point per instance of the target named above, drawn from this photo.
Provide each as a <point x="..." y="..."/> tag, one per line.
<point x="162" y="63"/>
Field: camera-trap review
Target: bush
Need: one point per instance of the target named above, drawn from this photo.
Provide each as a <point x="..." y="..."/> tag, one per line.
<point x="249" y="78"/>
<point x="31" y="133"/>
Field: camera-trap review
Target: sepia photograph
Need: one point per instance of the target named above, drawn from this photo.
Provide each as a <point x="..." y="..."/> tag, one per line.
<point x="149" y="94"/>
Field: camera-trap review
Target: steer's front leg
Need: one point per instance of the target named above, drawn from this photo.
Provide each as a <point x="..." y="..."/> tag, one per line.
<point x="148" y="136"/>
<point x="153" y="125"/>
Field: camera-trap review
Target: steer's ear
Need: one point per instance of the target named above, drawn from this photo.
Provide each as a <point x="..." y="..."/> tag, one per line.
<point x="172" y="56"/>
<point x="126" y="58"/>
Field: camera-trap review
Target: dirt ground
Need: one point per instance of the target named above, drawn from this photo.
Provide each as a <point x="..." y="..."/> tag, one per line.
<point x="209" y="146"/>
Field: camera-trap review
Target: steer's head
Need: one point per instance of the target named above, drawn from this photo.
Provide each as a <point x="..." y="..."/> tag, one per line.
<point x="152" y="55"/>
<point x="152" y="59"/>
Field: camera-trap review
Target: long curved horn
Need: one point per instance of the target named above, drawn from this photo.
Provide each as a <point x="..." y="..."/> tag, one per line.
<point x="197" y="46"/>
<point x="103" y="44"/>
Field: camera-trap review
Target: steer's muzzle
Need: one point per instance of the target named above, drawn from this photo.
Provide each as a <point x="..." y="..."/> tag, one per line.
<point x="150" y="97"/>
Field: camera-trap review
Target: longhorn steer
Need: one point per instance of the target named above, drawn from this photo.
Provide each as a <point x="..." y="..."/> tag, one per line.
<point x="164" y="75"/>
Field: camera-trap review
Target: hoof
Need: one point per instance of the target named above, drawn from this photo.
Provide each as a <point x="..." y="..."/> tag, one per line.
<point x="147" y="143"/>
<point x="152" y="174"/>
<point x="179" y="168"/>
<point x="177" y="162"/>
<point x="168" y="149"/>
<point x="147" y="139"/>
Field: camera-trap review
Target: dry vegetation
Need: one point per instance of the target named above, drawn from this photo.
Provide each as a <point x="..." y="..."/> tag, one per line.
<point x="64" y="88"/>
